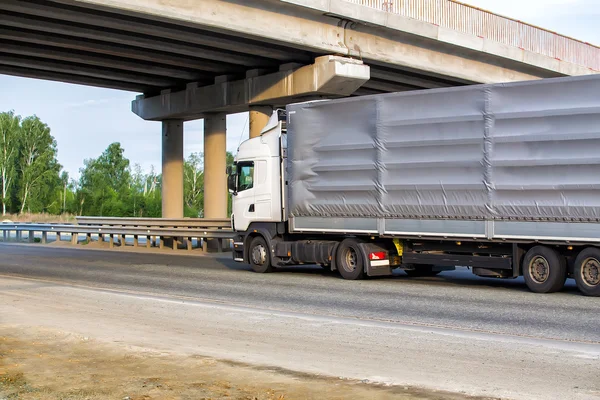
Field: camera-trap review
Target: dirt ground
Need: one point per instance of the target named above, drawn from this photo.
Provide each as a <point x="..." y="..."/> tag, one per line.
<point x="49" y="365"/>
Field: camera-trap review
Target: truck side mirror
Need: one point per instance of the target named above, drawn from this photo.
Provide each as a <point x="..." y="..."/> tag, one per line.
<point x="232" y="184"/>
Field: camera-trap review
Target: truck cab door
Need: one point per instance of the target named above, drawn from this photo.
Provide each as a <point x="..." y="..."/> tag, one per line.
<point x="244" y="206"/>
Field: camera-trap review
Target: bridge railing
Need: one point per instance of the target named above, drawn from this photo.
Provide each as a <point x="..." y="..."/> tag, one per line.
<point x="208" y="223"/>
<point x="155" y="232"/>
<point x="477" y="22"/>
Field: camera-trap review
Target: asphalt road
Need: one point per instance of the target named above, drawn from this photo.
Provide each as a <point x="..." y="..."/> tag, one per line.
<point x="453" y="332"/>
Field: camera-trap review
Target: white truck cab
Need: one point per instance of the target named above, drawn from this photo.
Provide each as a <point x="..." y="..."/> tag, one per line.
<point x="256" y="180"/>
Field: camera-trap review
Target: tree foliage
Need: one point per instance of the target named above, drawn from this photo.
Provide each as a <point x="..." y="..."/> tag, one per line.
<point x="105" y="184"/>
<point x="10" y="126"/>
<point x="37" y="164"/>
<point x="193" y="192"/>
<point x="31" y="179"/>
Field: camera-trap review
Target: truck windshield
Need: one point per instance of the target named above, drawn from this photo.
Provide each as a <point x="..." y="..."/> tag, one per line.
<point x="245" y="171"/>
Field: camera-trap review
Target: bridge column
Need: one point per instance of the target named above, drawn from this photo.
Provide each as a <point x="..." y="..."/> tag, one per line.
<point x="172" y="168"/>
<point x="259" y="117"/>
<point x="215" y="163"/>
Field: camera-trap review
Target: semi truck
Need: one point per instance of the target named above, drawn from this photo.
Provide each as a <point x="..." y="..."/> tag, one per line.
<point x="501" y="178"/>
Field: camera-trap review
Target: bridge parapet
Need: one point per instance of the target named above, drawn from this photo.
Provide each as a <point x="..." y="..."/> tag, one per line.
<point x="485" y="24"/>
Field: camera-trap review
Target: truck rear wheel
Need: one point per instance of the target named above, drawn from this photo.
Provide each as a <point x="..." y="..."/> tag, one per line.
<point x="259" y="255"/>
<point x="350" y="260"/>
<point x="544" y="270"/>
<point x="587" y="272"/>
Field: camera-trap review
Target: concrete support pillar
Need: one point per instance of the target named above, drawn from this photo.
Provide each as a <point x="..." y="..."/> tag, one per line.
<point x="259" y="117"/>
<point x="215" y="163"/>
<point x="172" y="169"/>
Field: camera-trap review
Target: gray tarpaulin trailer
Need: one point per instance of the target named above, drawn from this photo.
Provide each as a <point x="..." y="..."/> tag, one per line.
<point x="503" y="178"/>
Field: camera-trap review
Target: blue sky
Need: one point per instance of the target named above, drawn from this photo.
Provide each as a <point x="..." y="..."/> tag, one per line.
<point x="85" y="120"/>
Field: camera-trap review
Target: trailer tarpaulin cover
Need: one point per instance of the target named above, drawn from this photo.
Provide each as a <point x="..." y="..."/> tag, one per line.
<point x="522" y="151"/>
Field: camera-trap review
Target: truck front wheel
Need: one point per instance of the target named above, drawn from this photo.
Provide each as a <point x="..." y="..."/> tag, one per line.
<point x="544" y="270"/>
<point x="350" y="260"/>
<point x="587" y="272"/>
<point x="259" y="255"/>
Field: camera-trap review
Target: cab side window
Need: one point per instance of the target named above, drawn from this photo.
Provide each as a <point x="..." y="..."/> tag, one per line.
<point x="245" y="176"/>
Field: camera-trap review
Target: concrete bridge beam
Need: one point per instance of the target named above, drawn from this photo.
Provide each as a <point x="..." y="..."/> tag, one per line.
<point x="329" y="76"/>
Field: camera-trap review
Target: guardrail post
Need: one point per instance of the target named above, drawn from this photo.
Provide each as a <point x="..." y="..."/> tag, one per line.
<point x="18" y="235"/>
<point x="58" y="236"/>
<point x="122" y="241"/>
<point x="74" y="238"/>
<point x="190" y="244"/>
<point x="100" y="238"/>
<point x="161" y="241"/>
<point x="148" y="242"/>
<point x="135" y="241"/>
<point x="111" y="242"/>
<point x="175" y="243"/>
<point x="204" y="245"/>
<point x="44" y="237"/>
<point x="4" y="236"/>
<point x="31" y="236"/>
<point x="220" y="245"/>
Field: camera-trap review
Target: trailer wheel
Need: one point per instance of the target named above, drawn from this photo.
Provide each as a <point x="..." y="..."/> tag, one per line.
<point x="259" y="256"/>
<point x="587" y="272"/>
<point x="350" y="260"/>
<point x="544" y="270"/>
<point x="421" y="271"/>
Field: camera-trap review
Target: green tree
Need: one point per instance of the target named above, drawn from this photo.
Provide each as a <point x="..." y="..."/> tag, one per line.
<point x="9" y="136"/>
<point x="64" y="185"/>
<point x="37" y="163"/>
<point x="152" y="194"/>
<point x="105" y="184"/>
<point x="193" y="185"/>
<point x="193" y="169"/>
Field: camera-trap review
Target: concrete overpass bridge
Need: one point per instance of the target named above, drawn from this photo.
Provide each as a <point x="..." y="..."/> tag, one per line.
<point x="203" y="59"/>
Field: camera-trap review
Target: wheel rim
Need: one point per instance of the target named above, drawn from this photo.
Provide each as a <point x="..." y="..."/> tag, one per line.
<point x="259" y="254"/>
<point x="590" y="272"/>
<point x="539" y="269"/>
<point x="350" y="260"/>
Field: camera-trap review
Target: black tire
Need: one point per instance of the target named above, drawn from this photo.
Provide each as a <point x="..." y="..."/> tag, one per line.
<point x="587" y="272"/>
<point x="350" y="260"/>
<point x="259" y="255"/>
<point x="421" y="271"/>
<point x="544" y="270"/>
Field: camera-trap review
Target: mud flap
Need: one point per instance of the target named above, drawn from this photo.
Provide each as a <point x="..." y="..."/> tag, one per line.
<point x="376" y="259"/>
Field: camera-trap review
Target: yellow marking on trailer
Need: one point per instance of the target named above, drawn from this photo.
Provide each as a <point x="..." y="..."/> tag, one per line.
<point x="399" y="247"/>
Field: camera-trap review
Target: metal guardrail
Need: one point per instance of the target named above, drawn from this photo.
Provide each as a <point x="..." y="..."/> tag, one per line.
<point x="207" y="223"/>
<point x="477" y="22"/>
<point x="155" y="232"/>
